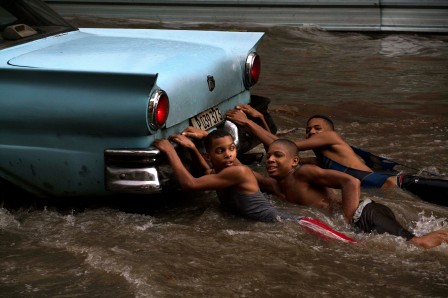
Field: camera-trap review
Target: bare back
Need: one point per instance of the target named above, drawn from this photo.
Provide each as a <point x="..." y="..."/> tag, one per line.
<point x="340" y="152"/>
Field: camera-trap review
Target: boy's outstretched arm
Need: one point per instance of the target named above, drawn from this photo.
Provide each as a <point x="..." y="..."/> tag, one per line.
<point x="194" y="133"/>
<point x="240" y="118"/>
<point x="328" y="138"/>
<point x="323" y="139"/>
<point x="269" y="185"/>
<point x="182" y="174"/>
<point x="183" y="141"/>
<point x="253" y="113"/>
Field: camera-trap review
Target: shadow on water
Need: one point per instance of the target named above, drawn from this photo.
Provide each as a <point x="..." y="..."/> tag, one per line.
<point x="169" y="202"/>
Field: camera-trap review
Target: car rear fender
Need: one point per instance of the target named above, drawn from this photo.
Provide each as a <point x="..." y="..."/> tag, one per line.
<point x="79" y="103"/>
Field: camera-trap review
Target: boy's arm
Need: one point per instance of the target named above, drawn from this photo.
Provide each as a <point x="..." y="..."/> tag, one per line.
<point x="249" y="110"/>
<point x="240" y="118"/>
<point x="194" y="133"/>
<point x="350" y="187"/>
<point x="182" y="140"/>
<point x="323" y="139"/>
<point x="269" y="185"/>
<point x="182" y="175"/>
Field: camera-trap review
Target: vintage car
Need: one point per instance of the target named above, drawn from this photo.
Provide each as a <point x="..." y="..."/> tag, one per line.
<point x="80" y="108"/>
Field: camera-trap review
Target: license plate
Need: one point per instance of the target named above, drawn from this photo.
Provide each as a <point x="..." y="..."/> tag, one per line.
<point x="207" y="119"/>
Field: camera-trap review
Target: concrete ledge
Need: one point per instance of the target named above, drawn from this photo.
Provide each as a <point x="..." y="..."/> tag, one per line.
<point x="333" y="15"/>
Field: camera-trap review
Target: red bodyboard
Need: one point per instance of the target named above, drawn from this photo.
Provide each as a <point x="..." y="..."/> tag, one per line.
<point x="319" y="228"/>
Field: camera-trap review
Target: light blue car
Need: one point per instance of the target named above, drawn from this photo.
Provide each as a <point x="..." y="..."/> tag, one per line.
<point x="80" y="108"/>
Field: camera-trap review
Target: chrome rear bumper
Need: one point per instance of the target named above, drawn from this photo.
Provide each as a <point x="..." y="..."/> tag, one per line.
<point x="132" y="170"/>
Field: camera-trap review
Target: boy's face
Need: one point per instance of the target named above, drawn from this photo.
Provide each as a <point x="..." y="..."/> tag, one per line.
<point x="315" y="126"/>
<point x="280" y="161"/>
<point x="223" y="152"/>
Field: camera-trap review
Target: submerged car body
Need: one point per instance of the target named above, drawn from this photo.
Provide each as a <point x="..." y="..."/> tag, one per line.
<point x="80" y="108"/>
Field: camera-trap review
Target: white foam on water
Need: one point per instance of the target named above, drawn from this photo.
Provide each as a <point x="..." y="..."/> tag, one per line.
<point x="428" y="223"/>
<point x="7" y="219"/>
<point x="400" y="45"/>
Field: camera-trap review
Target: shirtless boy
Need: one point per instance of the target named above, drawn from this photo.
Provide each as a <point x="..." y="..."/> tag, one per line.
<point x="309" y="185"/>
<point x="333" y="152"/>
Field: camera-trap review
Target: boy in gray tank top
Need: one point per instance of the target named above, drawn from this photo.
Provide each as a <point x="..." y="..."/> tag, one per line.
<point x="236" y="185"/>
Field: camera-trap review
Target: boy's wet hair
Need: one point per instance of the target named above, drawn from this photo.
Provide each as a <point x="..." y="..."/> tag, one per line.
<point x="290" y="145"/>
<point x="325" y="118"/>
<point x="213" y="135"/>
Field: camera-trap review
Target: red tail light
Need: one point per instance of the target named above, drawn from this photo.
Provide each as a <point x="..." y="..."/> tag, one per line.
<point x="253" y="70"/>
<point x="158" y="109"/>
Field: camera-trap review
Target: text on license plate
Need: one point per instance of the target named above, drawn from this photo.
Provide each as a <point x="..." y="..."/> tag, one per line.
<point x="207" y="119"/>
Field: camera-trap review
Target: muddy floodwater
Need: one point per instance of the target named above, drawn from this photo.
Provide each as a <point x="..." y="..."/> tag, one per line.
<point x="387" y="93"/>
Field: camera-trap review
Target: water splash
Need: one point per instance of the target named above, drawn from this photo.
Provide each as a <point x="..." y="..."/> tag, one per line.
<point x="427" y="224"/>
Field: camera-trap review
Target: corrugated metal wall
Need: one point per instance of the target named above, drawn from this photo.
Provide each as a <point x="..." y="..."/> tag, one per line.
<point x="347" y="15"/>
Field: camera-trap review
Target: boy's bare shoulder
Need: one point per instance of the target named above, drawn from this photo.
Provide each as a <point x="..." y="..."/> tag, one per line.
<point x="307" y="170"/>
<point x="239" y="170"/>
<point x="242" y="169"/>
